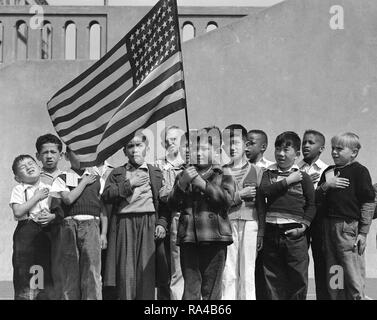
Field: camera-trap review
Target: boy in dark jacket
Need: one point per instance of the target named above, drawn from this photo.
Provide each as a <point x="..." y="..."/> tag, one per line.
<point x="203" y="194"/>
<point x="289" y="212"/>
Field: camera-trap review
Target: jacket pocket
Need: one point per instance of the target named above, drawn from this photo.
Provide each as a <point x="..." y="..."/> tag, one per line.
<point x="224" y="225"/>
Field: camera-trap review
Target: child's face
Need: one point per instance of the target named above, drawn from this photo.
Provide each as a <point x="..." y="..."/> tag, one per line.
<point x="205" y="155"/>
<point x="136" y="150"/>
<point x="234" y="147"/>
<point x="286" y="156"/>
<point x="172" y="141"/>
<point x="27" y="171"/>
<point x="342" y="155"/>
<point x="311" y="146"/>
<point x="254" y="146"/>
<point x="49" y="156"/>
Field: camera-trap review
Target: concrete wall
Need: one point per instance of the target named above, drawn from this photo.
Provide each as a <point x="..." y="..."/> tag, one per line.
<point x="281" y="69"/>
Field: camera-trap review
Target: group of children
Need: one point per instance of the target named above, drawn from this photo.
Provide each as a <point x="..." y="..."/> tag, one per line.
<point x="190" y="226"/>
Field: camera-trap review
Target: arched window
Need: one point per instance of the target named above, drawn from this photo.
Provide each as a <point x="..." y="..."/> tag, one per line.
<point x="21" y="46"/>
<point x="46" y="40"/>
<point x="211" y="26"/>
<point x="94" y="41"/>
<point x="188" y="31"/>
<point x="70" y="41"/>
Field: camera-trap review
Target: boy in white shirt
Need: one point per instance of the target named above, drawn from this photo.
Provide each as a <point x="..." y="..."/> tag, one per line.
<point x="31" y="246"/>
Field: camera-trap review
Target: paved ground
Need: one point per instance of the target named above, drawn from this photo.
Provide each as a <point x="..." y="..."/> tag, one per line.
<point x="6" y="289"/>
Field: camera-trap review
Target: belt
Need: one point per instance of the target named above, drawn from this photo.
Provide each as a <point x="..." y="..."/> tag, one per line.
<point x="82" y="217"/>
<point x="283" y="226"/>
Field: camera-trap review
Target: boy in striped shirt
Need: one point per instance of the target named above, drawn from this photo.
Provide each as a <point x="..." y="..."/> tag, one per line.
<point x="238" y="277"/>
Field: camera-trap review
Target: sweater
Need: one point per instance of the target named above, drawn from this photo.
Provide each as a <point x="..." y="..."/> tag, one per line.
<point x="346" y="203"/>
<point x="295" y="201"/>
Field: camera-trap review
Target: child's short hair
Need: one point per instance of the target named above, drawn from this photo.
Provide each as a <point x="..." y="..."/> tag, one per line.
<point x="288" y="138"/>
<point x="261" y="133"/>
<point x="48" y="138"/>
<point x="138" y="133"/>
<point x="18" y="159"/>
<point x="167" y="129"/>
<point x="212" y="135"/>
<point x="317" y="134"/>
<point x="347" y="139"/>
<point x="234" y="130"/>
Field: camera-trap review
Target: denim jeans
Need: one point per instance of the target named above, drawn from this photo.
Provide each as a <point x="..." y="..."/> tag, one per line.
<point x="80" y="268"/>
<point x="343" y="260"/>
<point x="285" y="263"/>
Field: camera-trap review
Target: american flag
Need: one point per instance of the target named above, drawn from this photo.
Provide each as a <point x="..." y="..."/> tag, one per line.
<point x="138" y="82"/>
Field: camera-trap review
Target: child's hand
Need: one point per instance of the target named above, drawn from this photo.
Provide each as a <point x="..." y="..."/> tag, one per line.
<point x="360" y="244"/>
<point x="259" y="243"/>
<point x="89" y="179"/>
<point x="315" y="177"/>
<point x="41" y="193"/>
<point x="294" y="177"/>
<point x="296" y="232"/>
<point x="138" y="180"/>
<point x="188" y="175"/>
<point x="248" y="193"/>
<point x="45" y="218"/>
<point x="159" y="232"/>
<point x="103" y="240"/>
<point x="337" y="182"/>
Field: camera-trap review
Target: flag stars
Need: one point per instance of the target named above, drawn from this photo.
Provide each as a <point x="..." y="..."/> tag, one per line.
<point x="164" y="24"/>
<point x="144" y="37"/>
<point x="170" y="19"/>
<point x="137" y="32"/>
<point x="166" y="34"/>
<point x="168" y="9"/>
<point x="138" y="42"/>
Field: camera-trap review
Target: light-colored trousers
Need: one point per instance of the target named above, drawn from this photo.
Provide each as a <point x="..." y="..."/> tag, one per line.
<point x="238" y="278"/>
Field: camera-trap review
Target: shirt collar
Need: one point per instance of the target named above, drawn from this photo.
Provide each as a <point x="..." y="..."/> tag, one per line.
<point x="144" y="166"/>
<point x="26" y="186"/>
<point x="57" y="173"/>
<point x="274" y="167"/>
<point x="319" y="164"/>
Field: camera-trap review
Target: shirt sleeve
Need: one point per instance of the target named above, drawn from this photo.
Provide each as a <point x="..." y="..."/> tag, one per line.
<point x="58" y="186"/>
<point x="17" y="196"/>
<point x="364" y="190"/>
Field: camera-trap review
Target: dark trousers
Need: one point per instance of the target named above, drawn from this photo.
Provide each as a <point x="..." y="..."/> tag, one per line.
<point x="316" y="235"/>
<point x="202" y="269"/>
<point x="285" y="263"/>
<point x="31" y="247"/>
<point x="260" y="281"/>
<point x="80" y="267"/>
<point x="136" y="256"/>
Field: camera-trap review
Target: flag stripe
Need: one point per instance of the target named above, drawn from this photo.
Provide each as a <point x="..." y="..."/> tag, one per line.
<point x="118" y="144"/>
<point x="114" y="71"/>
<point x="86" y="74"/>
<point x="94" y="118"/>
<point x="126" y="122"/>
<point x="156" y="82"/>
<point x="141" y="123"/>
<point x="121" y="83"/>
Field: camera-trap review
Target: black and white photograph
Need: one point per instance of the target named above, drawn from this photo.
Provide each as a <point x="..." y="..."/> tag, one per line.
<point x="165" y="150"/>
